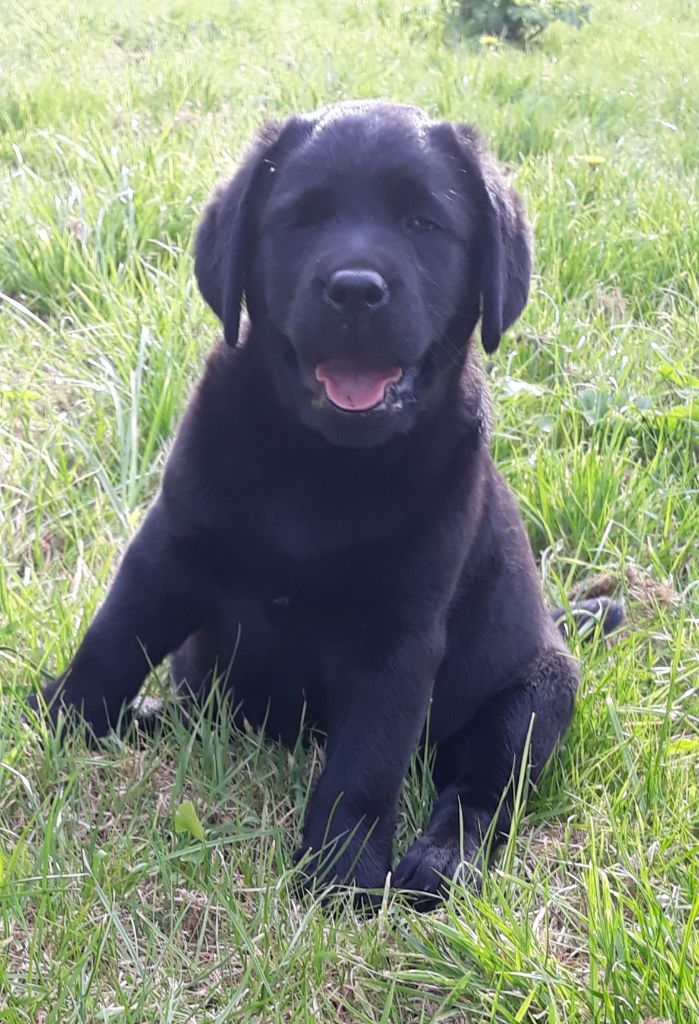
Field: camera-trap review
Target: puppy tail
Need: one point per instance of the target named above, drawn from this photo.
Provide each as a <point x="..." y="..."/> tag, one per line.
<point x="587" y="616"/>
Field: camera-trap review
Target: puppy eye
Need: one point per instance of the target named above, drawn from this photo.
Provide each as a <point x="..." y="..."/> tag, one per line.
<point x="421" y="224"/>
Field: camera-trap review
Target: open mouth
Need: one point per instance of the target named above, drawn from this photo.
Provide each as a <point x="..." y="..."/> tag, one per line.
<point x="354" y="389"/>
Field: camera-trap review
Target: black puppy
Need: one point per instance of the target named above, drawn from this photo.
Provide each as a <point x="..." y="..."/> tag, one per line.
<point x="331" y="532"/>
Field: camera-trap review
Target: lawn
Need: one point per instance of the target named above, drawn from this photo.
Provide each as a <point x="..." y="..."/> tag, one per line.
<point x="116" y="120"/>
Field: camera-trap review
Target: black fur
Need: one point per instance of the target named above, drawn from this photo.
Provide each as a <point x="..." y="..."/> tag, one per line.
<point x="350" y="568"/>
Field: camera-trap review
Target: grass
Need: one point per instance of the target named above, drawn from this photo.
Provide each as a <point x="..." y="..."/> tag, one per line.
<point x="115" y="123"/>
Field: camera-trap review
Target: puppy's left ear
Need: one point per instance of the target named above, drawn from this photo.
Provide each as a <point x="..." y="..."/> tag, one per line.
<point x="504" y="235"/>
<point x="226" y="237"/>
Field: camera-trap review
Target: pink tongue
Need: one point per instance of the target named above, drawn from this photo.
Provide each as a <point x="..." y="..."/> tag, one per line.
<point x="351" y="389"/>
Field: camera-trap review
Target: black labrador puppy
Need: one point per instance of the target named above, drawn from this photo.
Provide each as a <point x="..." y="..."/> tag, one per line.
<point x="331" y="535"/>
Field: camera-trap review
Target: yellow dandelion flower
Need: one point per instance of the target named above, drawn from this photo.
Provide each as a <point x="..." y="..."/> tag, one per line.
<point x="593" y="159"/>
<point x="489" y="41"/>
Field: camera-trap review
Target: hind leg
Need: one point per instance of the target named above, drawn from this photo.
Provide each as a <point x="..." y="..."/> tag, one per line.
<point x="476" y="771"/>
<point x="587" y="616"/>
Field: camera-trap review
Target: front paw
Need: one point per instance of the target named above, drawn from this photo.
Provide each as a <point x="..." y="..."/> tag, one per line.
<point x="44" y="707"/>
<point x="350" y="856"/>
<point x="64" y="709"/>
<point x="431" y="864"/>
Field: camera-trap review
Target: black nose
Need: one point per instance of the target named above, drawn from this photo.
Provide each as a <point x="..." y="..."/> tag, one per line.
<point x="356" y="291"/>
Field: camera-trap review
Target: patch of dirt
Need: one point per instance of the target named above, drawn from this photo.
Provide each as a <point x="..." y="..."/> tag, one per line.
<point x="603" y="585"/>
<point x="17" y="956"/>
<point x="557" y="922"/>
<point x="644" y="591"/>
<point x="649" y="592"/>
<point x="612" y="304"/>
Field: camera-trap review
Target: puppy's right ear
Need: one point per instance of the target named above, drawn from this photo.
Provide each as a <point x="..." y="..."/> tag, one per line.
<point x="226" y="237"/>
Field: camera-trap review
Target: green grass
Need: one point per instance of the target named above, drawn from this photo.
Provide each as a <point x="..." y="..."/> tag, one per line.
<point x="115" y="123"/>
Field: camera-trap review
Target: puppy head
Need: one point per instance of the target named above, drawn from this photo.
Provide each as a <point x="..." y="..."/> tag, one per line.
<point x="367" y="241"/>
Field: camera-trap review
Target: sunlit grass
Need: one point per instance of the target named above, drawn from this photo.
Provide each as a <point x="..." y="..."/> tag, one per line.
<point x="115" y="123"/>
